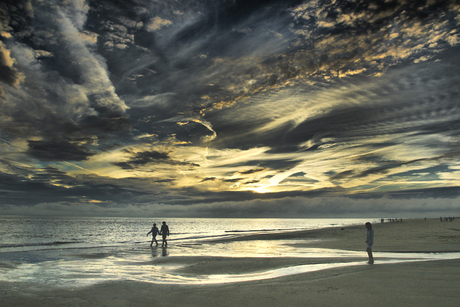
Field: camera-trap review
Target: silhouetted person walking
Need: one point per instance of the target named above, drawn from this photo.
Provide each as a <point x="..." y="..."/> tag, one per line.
<point x="164" y="232"/>
<point x="154" y="233"/>
<point x="370" y="242"/>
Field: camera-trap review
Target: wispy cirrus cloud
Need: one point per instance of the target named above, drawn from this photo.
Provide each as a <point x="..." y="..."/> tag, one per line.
<point x="228" y="103"/>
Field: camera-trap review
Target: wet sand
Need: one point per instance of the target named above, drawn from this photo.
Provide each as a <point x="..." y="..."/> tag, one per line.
<point x="411" y="235"/>
<point x="421" y="283"/>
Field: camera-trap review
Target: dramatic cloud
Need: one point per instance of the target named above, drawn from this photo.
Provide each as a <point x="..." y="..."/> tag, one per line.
<point x="229" y="108"/>
<point x="157" y="23"/>
<point x="10" y="76"/>
<point x="146" y="157"/>
<point x="58" y="151"/>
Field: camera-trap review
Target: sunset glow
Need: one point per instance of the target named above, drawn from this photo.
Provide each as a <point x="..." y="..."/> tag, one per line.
<point x="195" y="104"/>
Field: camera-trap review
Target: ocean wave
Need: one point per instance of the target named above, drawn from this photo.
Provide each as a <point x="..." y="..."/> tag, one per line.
<point x="38" y="244"/>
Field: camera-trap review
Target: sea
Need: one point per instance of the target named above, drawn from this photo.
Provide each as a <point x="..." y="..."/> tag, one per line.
<point x="29" y="234"/>
<point x="81" y="251"/>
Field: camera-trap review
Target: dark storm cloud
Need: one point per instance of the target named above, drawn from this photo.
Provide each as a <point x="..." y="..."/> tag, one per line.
<point x="445" y="192"/>
<point x="391" y="166"/>
<point x="183" y="52"/>
<point x="140" y="159"/>
<point x="103" y="123"/>
<point x="66" y="91"/>
<point x="13" y="190"/>
<point x="342" y="175"/>
<point x="420" y="100"/>
<point x="9" y="74"/>
<point x="186" y="55"/>
<point x="190" y="59"/>
<point x="51" y="173"/>
<point x="58" y="151"/>
<point x="336" y="39"/>
<point x="51" y="185"/>
<point x="196" y="103"/>
<point x="183" y="129"/>
<point x="28" y="187"/>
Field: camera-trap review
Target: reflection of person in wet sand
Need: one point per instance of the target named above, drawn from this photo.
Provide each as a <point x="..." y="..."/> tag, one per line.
<point x="370" y="241"/>
<point x="154" y="233"/>
<point x="164" y="232"/>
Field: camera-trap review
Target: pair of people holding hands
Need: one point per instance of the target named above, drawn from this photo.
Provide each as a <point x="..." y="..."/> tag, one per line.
<point x="164" y="232"/>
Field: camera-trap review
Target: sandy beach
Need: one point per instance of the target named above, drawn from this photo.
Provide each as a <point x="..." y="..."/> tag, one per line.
<point x="386" y="283"/>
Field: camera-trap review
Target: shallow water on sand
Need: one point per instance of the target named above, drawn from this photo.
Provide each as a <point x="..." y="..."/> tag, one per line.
<point x="77" y="267"/>
<point x="82" y="251"/>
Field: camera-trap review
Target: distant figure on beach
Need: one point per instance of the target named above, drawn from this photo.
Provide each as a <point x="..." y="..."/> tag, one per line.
<point x="154" y="233"/>
<point x="370" y="241"/>
<point x="164" y="232"/>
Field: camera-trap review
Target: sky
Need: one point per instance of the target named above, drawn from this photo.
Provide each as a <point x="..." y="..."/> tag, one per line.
<point x="183" y="108"/>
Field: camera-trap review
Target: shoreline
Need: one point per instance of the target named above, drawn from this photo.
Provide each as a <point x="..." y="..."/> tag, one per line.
<point x="411" y="235"/>
<point x="432" y="283"/>
<point x="407" y="283"/>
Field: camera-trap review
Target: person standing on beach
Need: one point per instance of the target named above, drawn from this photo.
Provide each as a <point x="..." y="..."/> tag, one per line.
<point x="370" y="241"/>
<point x="154" y="233"/>
<point x="164" y="232"/>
